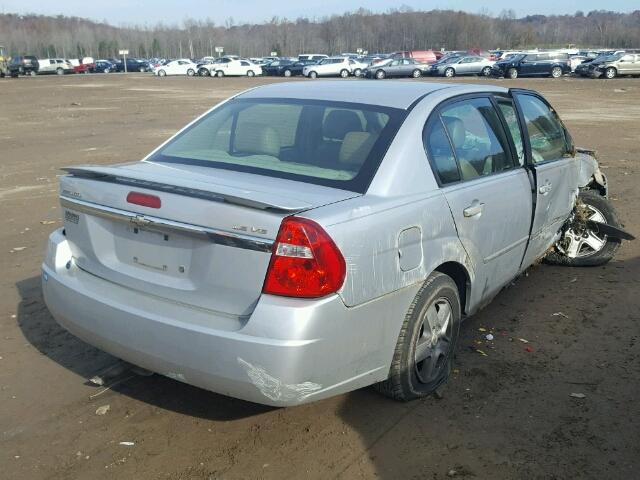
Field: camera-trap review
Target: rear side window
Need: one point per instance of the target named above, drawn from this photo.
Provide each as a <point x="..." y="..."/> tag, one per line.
<point x="326" y="143"/>
<point x="440" y="152"/>
<point x="546" y="133"/>
<point x="511" y="118"/>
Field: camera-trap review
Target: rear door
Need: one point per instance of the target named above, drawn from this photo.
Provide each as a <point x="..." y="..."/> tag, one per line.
<point x="548" y="155"/>
<point x="488" y="192"/>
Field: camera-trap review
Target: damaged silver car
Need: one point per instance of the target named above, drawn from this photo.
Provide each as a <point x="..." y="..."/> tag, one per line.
<point x="299" y="241"/>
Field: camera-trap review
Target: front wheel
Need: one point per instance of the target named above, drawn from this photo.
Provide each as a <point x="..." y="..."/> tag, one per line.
<point x="219" y="74"/>
<point x="162" y="73"/>
<point x="357" y="72"/>
<point x="380" y="74"/>
<point x="313" y="75"/>
<point x="581" y="244"/>
<point x="486" y="72"/>
<point x="512" y="73"/>
<point x="610" y="73"/>
<point x="32" y="73"/>
<point x="59" y="71"/>
<point x="106" y="70"/>
<point x="203" y="72"/>
<point x="416" y="73"/>
<point x="191" y="72"/>
<point x="449" y="72"/>
<point x="287" y="73"/>
<point x="423" y="357"/>
<point x="344" y="73"/>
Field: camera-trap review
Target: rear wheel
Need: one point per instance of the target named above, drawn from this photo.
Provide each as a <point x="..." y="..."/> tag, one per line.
<point x="344" y="73"/>
<point x="512" y="73"/>
<point x="486" y="72"/>
<point x="162" y="73"/>
<point x="287" y="73"/>
<point x="380" y="74"/>
<point x="191" y="72"/>
<point x="203" y="72"/>
<point x="416" y="73"/>
<point x="59" y="71"/>
<point x="424" y="353"/>
<point x="582" y="245"/>
<point x="450" y="72"/>
<point x="219" y="74"/>
<point x="250" y="73"/>
<point x="32" y="73"/>
<point x="106" y="70"/>
<point x="556" y="72"/>
<point x="357" y="72"/>
<point x="610" y="73"/>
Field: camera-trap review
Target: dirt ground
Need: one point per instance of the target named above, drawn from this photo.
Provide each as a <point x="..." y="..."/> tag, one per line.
<point x="506" y="415"/>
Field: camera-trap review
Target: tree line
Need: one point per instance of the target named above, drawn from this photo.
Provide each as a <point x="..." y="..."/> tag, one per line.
<point x="397" y="29"/>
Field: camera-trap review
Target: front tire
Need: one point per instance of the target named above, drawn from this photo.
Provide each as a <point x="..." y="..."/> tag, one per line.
<point x="59" y="71"/>
<point x="287" y="73"/>
<point x="191" y="72"/>
<point x="512" y="73"/>
<point x="380" y="74"/>
<point x="416" y="73"/>
<point x="162" y="73"/>
<point x="344" y="73"/>
<point x="423" y="357"/>
<point x="203" y="72"/>
<point x="581" y="246"/>
<point x="357" y="72"/>
<point x="219" y="74"/>
<point x="486" y="72"/>
<point x="610" y="73"/>
<point x="32" y="73"/>
<point x="313" y="74"/>
<point x="449" y="73"/>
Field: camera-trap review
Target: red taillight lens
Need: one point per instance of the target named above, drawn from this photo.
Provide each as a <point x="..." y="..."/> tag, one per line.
<point x="305" y="262"/>
<point x="144" y="199"/>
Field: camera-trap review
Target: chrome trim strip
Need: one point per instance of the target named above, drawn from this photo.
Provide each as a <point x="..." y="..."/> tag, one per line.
<point x="149" y="222"/>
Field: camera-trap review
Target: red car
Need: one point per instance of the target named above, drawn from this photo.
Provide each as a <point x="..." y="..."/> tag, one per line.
<point x="421" y="56"/>
<point x="84" y="65"/>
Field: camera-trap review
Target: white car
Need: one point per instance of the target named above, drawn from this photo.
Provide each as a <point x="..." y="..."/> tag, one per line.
<point x="227" y="67"/>
<point x="330" y="67"/>
<point x="183" y="66"/>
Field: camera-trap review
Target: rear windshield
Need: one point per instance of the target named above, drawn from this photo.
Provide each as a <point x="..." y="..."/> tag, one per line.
<point x="333" y="144"/>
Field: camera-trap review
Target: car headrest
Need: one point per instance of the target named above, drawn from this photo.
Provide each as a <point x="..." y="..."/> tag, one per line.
<point x="456" y="130"/>
<point x="339" y="122"/>
<point x="257" y="139"/>
<point x="355" y="148"/>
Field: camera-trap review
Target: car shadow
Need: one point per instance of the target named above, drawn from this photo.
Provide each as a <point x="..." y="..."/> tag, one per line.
<point x="43" y="332"/>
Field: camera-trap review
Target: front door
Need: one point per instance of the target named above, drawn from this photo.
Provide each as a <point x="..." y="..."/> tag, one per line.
<point x="488" y="192"/>
<point x="548" y="148"/>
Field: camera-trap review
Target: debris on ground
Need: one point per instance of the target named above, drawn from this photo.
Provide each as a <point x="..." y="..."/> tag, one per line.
<point x="489" y="337"/>
<point x="97" y="380"/>
<point x="127" y="444"/>
<point x="16" y="249"/>
<point x="482" y="329"/>
<point x="102" y="410"/>
<point x="523" y="340"/>
<point x="578" y="395"/>
<point x="47" y="222"/>
<point x="481" y="352"/>
<point x="559" y="314"/>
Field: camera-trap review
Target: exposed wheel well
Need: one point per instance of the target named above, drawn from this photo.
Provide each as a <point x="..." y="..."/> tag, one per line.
<point x="460" y="276"/>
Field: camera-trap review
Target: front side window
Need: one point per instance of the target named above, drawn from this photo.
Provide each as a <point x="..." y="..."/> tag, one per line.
<point x="325" y="143"/>
<point x="546" y="133"/>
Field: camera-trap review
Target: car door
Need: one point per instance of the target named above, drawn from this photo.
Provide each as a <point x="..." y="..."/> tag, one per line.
<point x="464" y="65"/>
<point x="529" y="65"/>
<point x="625" y="65"/>
<point x="488" y="192"/>
<point x="548" y="149"/>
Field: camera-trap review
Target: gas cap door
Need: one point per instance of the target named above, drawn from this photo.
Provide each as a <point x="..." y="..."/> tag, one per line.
<point x="410" y="248"/>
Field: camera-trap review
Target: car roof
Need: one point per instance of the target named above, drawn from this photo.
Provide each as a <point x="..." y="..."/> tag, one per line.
<point x="390" y="93"/>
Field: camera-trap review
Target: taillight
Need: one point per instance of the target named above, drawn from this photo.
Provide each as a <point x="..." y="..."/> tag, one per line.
<point x="305" y="262"/>
<point x="144" y="199"/>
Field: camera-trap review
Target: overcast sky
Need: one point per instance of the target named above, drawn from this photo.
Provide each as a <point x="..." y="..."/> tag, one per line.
<point x="152" y="11"/>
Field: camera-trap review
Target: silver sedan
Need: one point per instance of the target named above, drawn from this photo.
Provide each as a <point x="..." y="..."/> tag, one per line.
<point x="469" y="65"/>
<point x="299" y="241"/>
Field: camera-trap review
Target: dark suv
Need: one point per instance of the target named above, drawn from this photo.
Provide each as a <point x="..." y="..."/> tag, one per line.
<point x="550" y="64"/>
<point x="23" y="65"/>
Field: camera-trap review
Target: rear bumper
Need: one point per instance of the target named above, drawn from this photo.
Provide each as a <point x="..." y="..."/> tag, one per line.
<point x="288" y="352"/>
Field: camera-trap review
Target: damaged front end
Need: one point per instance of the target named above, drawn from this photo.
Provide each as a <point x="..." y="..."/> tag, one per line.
<point x="590" y="177"/>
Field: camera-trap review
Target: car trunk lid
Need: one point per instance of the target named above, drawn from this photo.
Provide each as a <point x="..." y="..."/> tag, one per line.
<point x="207" y="245"/>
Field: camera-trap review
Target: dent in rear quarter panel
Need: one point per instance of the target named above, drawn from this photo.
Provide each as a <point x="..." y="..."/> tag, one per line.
<point x="368" y="240"/>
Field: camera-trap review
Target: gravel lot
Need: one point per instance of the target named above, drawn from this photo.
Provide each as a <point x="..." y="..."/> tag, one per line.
<point x="509" y="414"/>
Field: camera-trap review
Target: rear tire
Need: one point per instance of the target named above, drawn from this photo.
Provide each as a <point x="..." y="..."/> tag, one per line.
<point x="191" y="72"/>
<point x="250" y="73"/>
<point x="32" y="73"/>
<point x="344" y="73"/>
<point x="286" y="73"/>
<point x="512" y="73"/>
<point x="416" y="73"/>
<point x="203" y="72"/>
<point x="162" y="73"/>
<point x="598" y="209"/>
<point x="219" y="74"/>
<point x="423" y="357"/>
<point x="556" y="72"/>
<point x="59" y="71"/>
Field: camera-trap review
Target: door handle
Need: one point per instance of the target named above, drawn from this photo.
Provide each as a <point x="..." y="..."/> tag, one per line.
<point x="474" y="209"/>
<point x="545" y="189"/>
